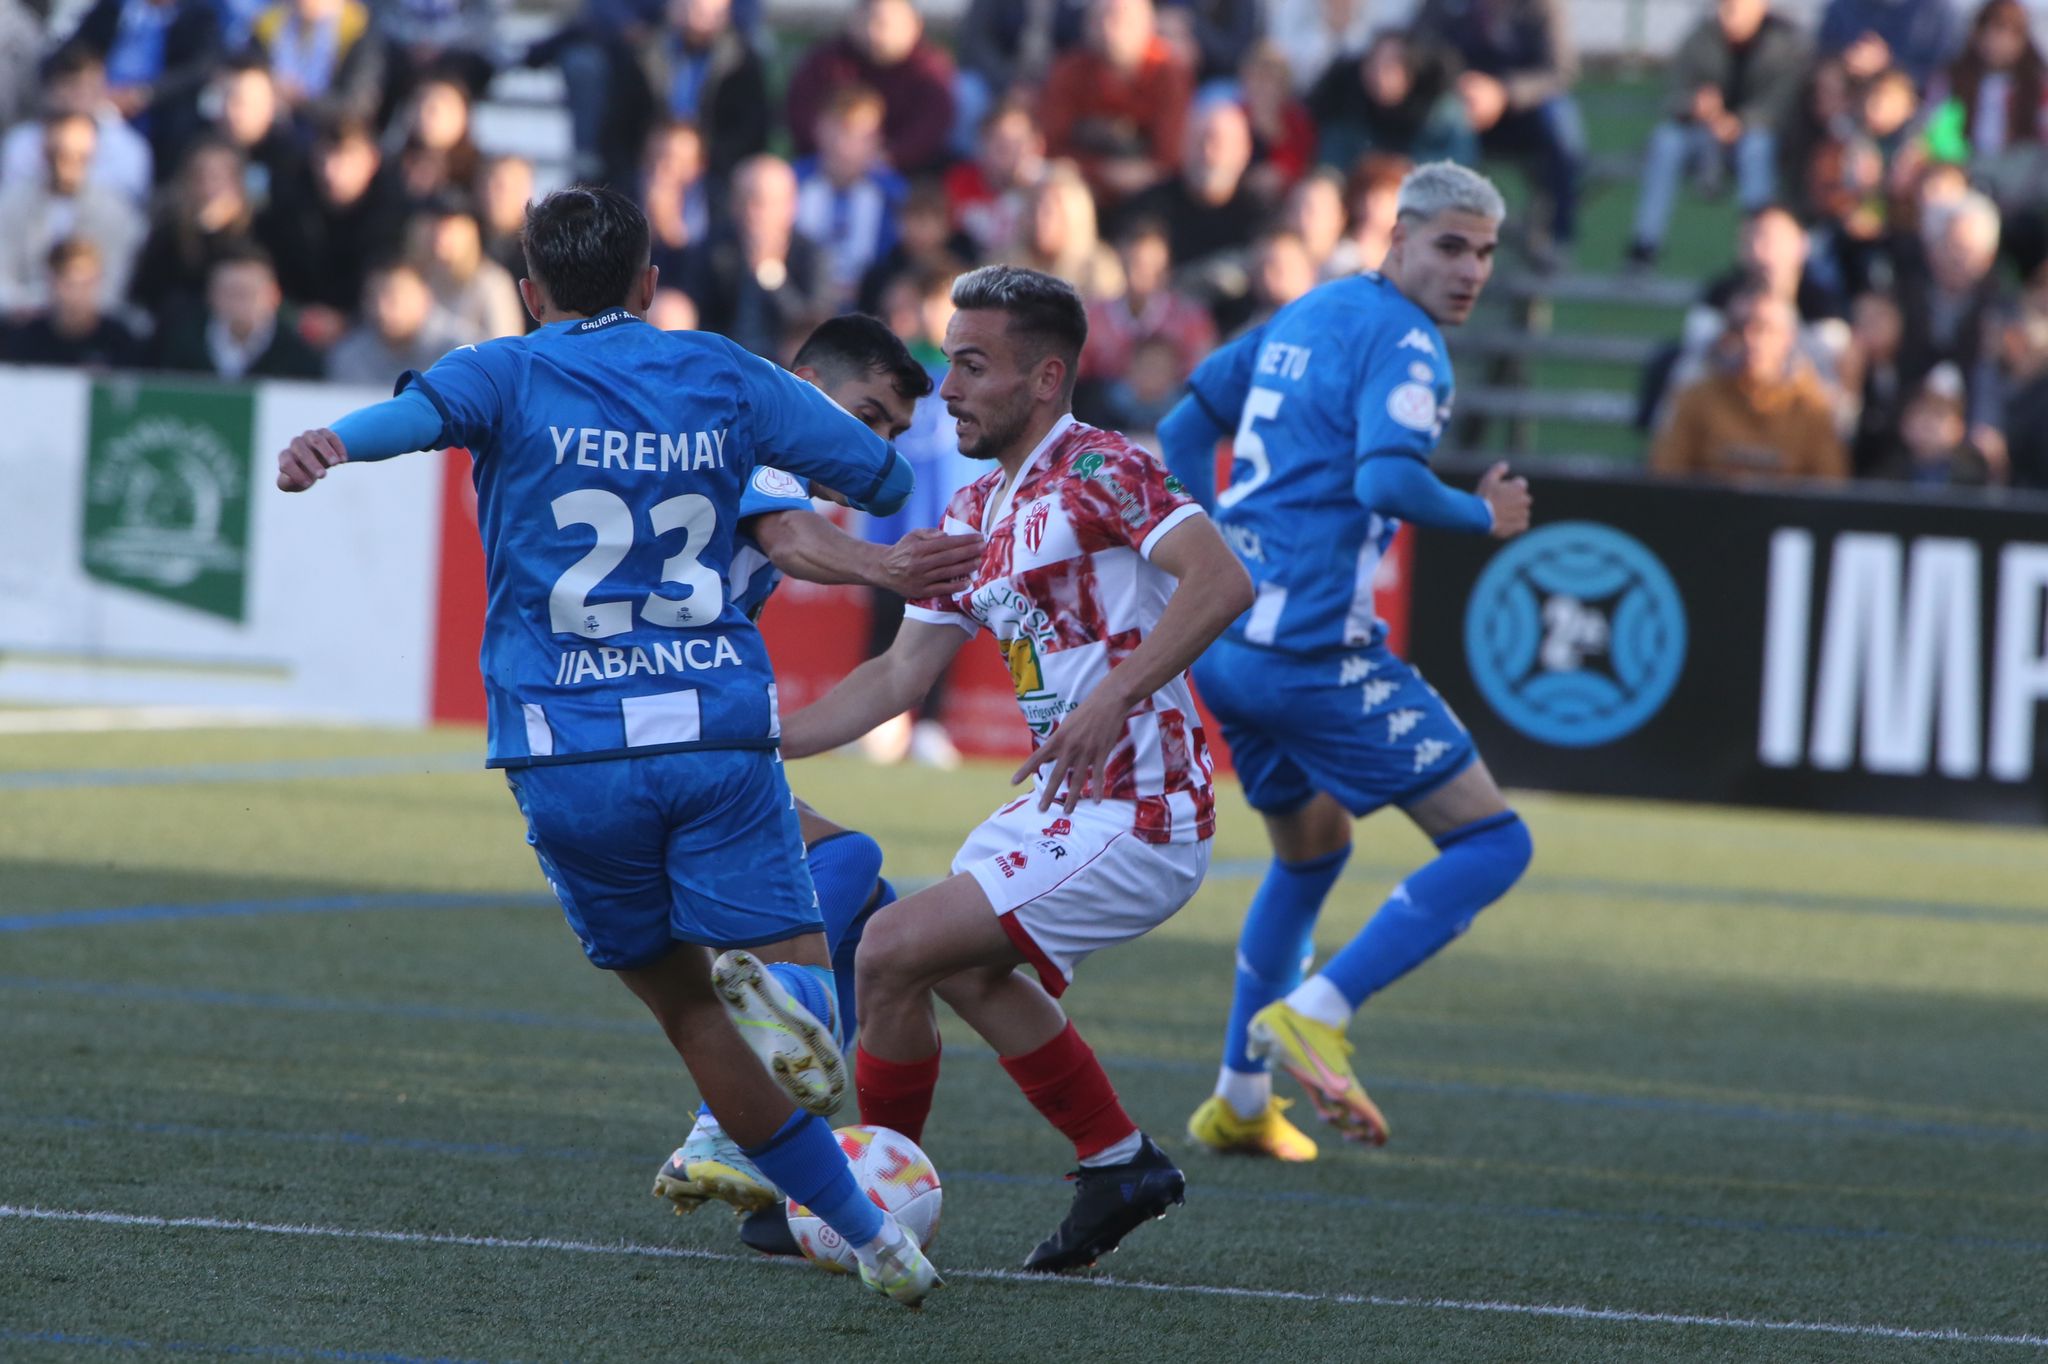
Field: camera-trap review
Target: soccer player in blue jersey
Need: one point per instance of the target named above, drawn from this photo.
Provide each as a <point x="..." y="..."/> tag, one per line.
<point x="1336" y="403"/>
<point x="630" y="700"/>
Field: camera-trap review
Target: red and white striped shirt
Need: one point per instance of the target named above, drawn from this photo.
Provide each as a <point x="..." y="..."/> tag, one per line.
<point x="1066" y="586"/>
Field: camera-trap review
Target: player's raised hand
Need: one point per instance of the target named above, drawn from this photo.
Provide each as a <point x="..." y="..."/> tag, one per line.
<point x="1078" y="751"/>
<point x="1509" y="499"/>
<point x="930" y="563"/>
<point x="308" y="458"/>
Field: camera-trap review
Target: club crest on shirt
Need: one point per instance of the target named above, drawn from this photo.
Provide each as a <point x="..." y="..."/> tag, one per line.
<point x="1034" y="526"/>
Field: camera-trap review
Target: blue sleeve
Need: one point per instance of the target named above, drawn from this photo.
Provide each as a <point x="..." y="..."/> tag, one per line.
<point x="1220" y="382"/>
<point x="1187" y="440"/>
<point x="799" y="429"/>
<point x="1402" y="396"/>
<point x="395" y="426"/>
<point x="465" y="386"/>
<point x="772" y="490"/>
<point x="1405" y="488"/>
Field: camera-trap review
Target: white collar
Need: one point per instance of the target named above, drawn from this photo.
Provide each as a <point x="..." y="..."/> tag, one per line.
<point x="1005" y="493"/>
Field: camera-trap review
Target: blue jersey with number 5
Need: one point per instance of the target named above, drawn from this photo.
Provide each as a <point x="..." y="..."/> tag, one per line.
<point x="610" y="461"/>
<point x="1350" y="371"/>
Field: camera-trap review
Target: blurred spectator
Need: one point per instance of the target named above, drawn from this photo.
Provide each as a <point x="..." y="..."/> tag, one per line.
<point x="75" y="331"/>
<point x="1390" y="98"/>
<point x="324" y="230"/>
<point x="883" y="49"/>
<point x="402" y="328"/>
<point x="1142" y="393"/>
<point x="847" y="198"/>
<point x="245" y="111"/>
<point x="1850" y="172"/>
<point x="76" y="83"/>
<point x="1283" y="134"/>
<point x="1214" y="35"/>
<point x="1004" y="47"/>
<point x="1373" y="194"/>
<point x="1208" y="209"/>
<point x="1315" y="213"/>
<point x="917" y="307"/>
<point x="158" y="54"/>
<point x="701" y="69"/>
<point x="925" y="242"/>
<point x="1515" y="86"/>
<point x="672" y="311"/>
<point x="1281" y="272"/>
<point x="445" y="39"/>
<point x="1949" y="306"/>
<point x="1148" y="308"/>
<point x="1933" y="449"/>
<point x="445" y="243"/>
<point x="1060" y="235"/>
<point x="673" y="192"/>
<point x="204" y="212"/>
<point x="242" y="331"/>
<point x="1876" y="339"/>
<point x="327" y="56"/>
<point x="505" y="191"/>
<point x="1118" y="106"/>
<point x="62" y="202"/>
<point x="1915" y="36"/>
<point x="1733" y="81"/>
<point x="435" y="152"/>
<point x="21" y="43"/>
<point x="1990" y="110"/>
<point x="757" y="279"/>
<point x="990" y="192"/>
<point x="1759" y="414"/>
<point x="1316" y="34"/>
<point x="1771" y="245"/>
<point x="2025" y="349"/>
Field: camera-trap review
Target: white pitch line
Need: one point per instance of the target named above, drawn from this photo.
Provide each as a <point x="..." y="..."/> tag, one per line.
<point x="1563" y="1311"/>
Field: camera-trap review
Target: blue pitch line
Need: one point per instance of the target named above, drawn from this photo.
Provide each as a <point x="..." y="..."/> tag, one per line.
<point x="249" y="909"/>
<point x="204" y="774"/>
<point x="1361" y="1202"/>
<point x="1696" y="1108"/>
<point x="194" y="1347"/>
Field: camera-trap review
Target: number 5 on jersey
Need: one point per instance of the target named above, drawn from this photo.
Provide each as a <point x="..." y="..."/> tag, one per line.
<point x="1249" y="447"/>
<point x="570" y="612"/>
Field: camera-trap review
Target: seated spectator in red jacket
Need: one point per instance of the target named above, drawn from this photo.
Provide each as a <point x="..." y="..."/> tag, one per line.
<point x="75" y="331"/>
<point x="882" y="48"/>
<point x="991" y="193"/>
<point x="242" y="332"/>
<point x="1147" y="308"/>
<point x="1118" y="106"/>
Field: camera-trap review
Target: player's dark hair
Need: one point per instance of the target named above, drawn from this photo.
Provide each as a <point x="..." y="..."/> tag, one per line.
<point x="1044" y="311"/>
<point x="854" y="343"/>
<point x="586" y="246"/>
<point x="241" y="251"/>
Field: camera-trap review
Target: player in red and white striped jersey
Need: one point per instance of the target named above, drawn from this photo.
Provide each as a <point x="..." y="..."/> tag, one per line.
<point x="1101" y="582"/>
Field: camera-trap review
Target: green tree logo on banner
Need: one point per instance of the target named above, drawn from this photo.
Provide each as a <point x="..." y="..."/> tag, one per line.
<point x="167" y="492"/>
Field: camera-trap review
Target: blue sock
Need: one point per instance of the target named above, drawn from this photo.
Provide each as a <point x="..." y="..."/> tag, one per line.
<point x="804" y="1161"/>
<point x="844" y="868"/>
<point x="1474" y="867"/>
<point x="1275" y="945"/>
<point x="842" y="961"/>
<point x="813" y="987"/>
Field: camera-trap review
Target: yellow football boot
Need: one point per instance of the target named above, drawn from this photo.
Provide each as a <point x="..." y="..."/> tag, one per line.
<point x="1318" y="1056"/>
<point x="1216" y="1126"/>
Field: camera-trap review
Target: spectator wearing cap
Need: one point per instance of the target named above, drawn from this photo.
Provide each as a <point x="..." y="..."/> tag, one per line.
<point x="403" y="328"/>
<point x="325" y="228"/>
<point x="327" y="57"/>
<point x="1515" y="69"/>
<point x="63" y="203"/>
<point x="1118" y="106"/>
<point x="1918" y="37"/>
<point x="75" y="331"/>
<point x="882" y="48"/>
<point x="1392" y="98"/>
<point x="157" y="55"/>
<point x="1759" y="414"/>
<point x="444" y="242"/>
<point x="75" y="82"/>
<point x="1733" y="81"/>
<point x="205" y="212"/>
<point x="847" y="197"/>
<point x="758" y="278"/>
<point x="242" y="332"/>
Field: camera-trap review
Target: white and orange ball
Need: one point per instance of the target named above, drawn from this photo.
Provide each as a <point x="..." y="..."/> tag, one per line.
<point x="895" y="1174"/>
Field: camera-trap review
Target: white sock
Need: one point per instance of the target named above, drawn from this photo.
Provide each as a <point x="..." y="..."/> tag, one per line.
<point x="1246" y="1091"/>
<point x="1322" y="1001"/>
<point x="889" y="1237"/>
<point x="1125" y="1150"/>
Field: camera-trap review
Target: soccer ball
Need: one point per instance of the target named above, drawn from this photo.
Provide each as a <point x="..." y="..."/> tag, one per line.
<point x="892" y="1171"/>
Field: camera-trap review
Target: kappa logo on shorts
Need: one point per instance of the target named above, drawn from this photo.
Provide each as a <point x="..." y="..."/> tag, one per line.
<point x="1426" y="754"/>
<point x="1356" y="670"/>
<point x="1400" y="722"/>
<point x="1059" y="828"/>
<point x="1012" y="863"/>
<point x="1378" y="693"/>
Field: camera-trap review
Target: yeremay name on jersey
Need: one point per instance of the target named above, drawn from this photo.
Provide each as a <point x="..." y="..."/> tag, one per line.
<point x="647" y="452"/>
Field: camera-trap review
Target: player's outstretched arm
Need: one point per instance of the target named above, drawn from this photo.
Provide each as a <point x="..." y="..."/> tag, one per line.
<point x="396" y="426"/>
<point x="1402" y="485"/>
<point x="879" y="689"/>
<point x="924" y="563"/>
<point x="1211" y="591"/>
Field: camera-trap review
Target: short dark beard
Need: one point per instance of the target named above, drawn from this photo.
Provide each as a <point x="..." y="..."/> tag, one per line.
<point x="998" y="438"/>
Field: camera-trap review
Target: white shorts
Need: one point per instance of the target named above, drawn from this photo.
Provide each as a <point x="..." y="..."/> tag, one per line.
<point x="1068" y="885"/>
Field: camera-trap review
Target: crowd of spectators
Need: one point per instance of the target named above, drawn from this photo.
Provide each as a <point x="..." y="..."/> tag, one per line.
<point x="292" y="188"/>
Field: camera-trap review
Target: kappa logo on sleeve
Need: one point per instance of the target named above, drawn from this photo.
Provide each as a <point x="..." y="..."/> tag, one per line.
<point x="1417" y="339"/>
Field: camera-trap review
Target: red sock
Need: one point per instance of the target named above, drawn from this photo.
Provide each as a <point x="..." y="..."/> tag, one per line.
<point x="1066" y="1083"/>
<point x="895" y="1094"/>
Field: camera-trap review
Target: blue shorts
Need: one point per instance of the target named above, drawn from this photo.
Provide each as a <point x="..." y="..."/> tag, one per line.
<point x="1361" y="725"/>
<point x="644" y="853"/>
